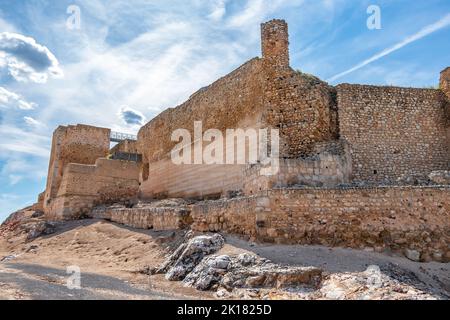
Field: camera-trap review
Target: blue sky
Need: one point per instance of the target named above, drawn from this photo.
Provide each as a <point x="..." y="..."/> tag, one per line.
<point x="129" y="60"/>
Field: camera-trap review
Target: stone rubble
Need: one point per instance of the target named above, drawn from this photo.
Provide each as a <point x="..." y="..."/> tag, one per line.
<point x="193" y="263"/>
<point x="189" y="254"/>
<point x="248" y="276"/>
<point x="249" y="271"/>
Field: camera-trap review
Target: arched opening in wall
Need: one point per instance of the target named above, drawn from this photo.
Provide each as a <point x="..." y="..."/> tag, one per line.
<point x="375" y="172"/>
<point x="145" y="171"/>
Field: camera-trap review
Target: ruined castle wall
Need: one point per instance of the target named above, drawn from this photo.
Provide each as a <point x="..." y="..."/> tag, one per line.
<point x="83" y="186"/>
<point x="84" y="144"/>
<point x="191" y="181"/>
<point x="324" y="170"/>
<point x="444" y="82"/>
<point x="393" y="132"/>
<point x="73" y="144"/>
<point x="302" y="108"/>
<point x="444" y="85"/>
<point x="329" y="166"/>
<point x="158" y="219"/>
<point x="126" y="146"/>
<point x="262" y="93"/>
<point x="54" y="176"/>
<point x="234" y="101"/>
<point x="394" y="218"/>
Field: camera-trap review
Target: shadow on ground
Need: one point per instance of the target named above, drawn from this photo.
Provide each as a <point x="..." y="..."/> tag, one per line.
<point x="39" y="282"/>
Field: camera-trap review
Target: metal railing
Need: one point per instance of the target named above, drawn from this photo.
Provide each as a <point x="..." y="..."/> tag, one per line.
<point x="118" y="137"/>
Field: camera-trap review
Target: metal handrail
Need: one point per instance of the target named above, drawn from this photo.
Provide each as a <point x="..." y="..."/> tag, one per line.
<point x="118" y="136"/>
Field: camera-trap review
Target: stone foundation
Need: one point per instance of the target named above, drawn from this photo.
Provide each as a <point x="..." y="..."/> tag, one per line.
<point x="158" y="219"/>
<point x="410" y="220"/>
<point x="390" y="218"/>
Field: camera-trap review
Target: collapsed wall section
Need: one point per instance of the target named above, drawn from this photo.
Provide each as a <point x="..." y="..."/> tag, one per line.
<point x="394" y="133"/>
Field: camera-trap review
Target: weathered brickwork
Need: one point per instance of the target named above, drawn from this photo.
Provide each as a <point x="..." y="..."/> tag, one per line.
<point x="349" y="159"/>
<point x="73" y="144"/>
<point x="84" y="186"/>
<point x="158" y="219"/>
<point x="263" y="93"/>
<point x="328" y="166"/>
<point x="393" y="218"/>
<point x="126" y="146"/>
<point x="231" y="102"/>
<point x="444" y="82"/>
<point x="394" y="133"/>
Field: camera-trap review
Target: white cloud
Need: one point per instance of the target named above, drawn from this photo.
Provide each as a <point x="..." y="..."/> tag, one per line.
<point x="33" y="122"/>
<point x="254" y="11"/>
<point x="14" y="179"/>
<point x="6" y="26"/>
<point x="9" y="99"/>
<point x="438" y="25"/>
<point x="219" y="10"/>
<point x="26" y="60"/>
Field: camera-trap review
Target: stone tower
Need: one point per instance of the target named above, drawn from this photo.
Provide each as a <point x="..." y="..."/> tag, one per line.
<point x="445" y="82"/>
<point x="275" y="43"/>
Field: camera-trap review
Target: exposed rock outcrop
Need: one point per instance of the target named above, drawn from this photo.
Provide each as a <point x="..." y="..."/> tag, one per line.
<point x="249" y="271"/>
<point x="189" y="254"/>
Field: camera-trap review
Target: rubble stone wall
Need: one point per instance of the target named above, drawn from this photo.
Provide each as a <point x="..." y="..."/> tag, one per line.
<point x="388" y="218"/>
<point x="328" y="166"/>
<point x="157" y="219"/>
<point x="444" y="82"/>
<point x="394" y="133"/>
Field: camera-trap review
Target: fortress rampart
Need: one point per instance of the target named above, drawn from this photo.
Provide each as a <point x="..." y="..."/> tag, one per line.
<point x="394" y="133"/>
<point x="359" y="166"/>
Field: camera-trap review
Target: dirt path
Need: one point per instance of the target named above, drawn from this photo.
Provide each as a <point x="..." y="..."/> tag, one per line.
<point x="27" y="281"/>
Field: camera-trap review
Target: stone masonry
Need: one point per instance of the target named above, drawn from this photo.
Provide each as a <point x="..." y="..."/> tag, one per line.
<point x="360" y="166"/>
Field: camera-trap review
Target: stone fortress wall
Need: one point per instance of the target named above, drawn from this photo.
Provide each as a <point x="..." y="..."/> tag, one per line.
<point x="80" y="175"/>
<point x="73" y="144"/>
<point x="394" y="133"/>
<point x="360" y="166"/>
<point x="263" y="93"/>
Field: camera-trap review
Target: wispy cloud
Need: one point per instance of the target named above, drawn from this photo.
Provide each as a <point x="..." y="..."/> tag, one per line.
<point x="33" y="122"/>
<point x="17" y="140"/>
<point x="218" y="10"/>
<point x="9" y="99"/>
<point x="440" y="24"/>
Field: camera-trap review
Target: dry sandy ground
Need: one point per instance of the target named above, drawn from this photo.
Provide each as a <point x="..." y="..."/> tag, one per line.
<point x="109" y="256"/>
